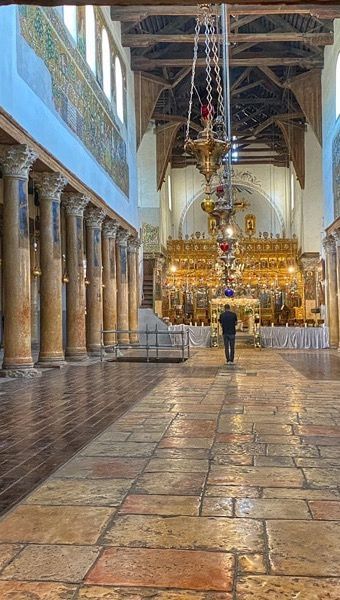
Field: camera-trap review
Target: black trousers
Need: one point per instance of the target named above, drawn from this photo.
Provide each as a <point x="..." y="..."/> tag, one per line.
<point x="229" y="346"/>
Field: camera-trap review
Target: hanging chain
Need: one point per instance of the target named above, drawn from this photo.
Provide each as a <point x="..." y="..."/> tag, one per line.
<point x="220" y="103"/>
<point x="208" y="70"/>
<point x="192" y="86"/>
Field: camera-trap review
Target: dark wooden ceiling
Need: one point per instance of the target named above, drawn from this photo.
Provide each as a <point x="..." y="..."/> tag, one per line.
<point x="269" y="47"/>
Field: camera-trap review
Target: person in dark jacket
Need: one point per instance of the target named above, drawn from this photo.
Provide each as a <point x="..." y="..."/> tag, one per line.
<point x="228" y="320"/>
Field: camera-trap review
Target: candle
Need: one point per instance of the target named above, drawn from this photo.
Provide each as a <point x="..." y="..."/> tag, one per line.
<point x="305" y="324"/>
<point x="202" y="324"/>
<point x="272" y="324"/>
<point x="286" y="324"/>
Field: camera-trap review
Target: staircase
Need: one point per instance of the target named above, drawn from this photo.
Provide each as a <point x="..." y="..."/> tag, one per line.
<point x="147" y="291"/>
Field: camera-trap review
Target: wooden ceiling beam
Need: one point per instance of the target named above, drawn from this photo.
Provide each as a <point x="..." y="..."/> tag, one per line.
<point x="148" y="40"/>
<point x="138" y="12"/>
<point x="147" y="64"/>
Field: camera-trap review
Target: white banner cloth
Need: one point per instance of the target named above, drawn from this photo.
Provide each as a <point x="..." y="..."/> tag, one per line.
<point x="295" y="337"/>
<point x="198" y="336"/>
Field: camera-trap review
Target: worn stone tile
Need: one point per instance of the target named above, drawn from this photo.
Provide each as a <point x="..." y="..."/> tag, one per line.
<point x="54" y="524"/>
<point x="242" y="448"/>
<point x="178" y="442"/>
<point x="317" y="430"/>
<point x="102" y="468"/>
<point x="183" y="453"/>
<point x="330" y="452"/>
<point x="7" y="552"/>
<point x="291" y="450"/>
<point x="217" y="507"/>
<point x="256" y="476"/>
<point x="214" y="533"/>
<point x="185" y="484"/>
<point x="177" y="464"/>
<point x="110" y="435"/>
<point x="325" y="510"/>
<point x="229" y="438"/>
<point x="309" y="548"/>
<point x="138" y="449"/>
<point x="303" y="494"/>
<point x="163" y="569"/>
<point x="267" y="438"/>
<point x="190" y="428"/>
<point x="273" y="461"/>
<point x="233" y="459"/>
<point x="318" y="463"/>
<point x="231" y="491"/>
<point x="251" y="563"/>
<point x="273" y="429"/>
<point x="67" y="564"/>
<point x="322" y="477"/>
<point x="80" y="491"/>
<point x="234" y="424"/>
<point x="94" y="592"/>
<point x="319" y="440"/>
<point x="263" y="508"/>
<point x="146" y="436"/>
<point x="160" y="505"/>
<point x="24" y="590"/>
<point x="287" y="588"/>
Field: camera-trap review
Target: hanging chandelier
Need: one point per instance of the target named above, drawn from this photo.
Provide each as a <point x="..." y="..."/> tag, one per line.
<point x="211" y="144"/>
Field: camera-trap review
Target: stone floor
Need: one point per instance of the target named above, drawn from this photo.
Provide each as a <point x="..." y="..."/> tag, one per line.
<point x="219" y="484"/>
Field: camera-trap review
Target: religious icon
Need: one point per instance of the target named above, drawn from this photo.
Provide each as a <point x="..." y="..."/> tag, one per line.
<point x="250" y="223"/>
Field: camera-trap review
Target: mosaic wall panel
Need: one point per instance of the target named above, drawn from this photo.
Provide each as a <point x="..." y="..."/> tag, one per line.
<point x="76" y="95"/>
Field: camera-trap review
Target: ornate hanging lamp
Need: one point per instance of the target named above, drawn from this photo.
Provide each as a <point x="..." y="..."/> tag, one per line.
<point x="211" y="143"/>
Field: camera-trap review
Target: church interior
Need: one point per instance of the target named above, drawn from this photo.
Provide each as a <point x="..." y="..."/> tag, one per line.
<point x="164" y="167"/>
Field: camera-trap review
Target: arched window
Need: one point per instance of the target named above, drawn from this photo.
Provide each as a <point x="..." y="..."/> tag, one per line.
<point x="70" y="20"/>
<point x="106" y="63"/>
<point x="119" y="89"/>
<point x="90" y="37"/>
<point x="337" y="88"/>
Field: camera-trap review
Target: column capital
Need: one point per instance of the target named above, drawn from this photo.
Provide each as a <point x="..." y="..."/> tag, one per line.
<point x="17" y="160"/>
<point x="110" y="228"/>
<point x="94" y="216"/>
<point x="49" y="185"/>
<point x="329" y="244"/>
<point x="75" y="203"/>
<point x="122" y="237"/>
<point x="336" y="236"/>
<point x="133" y="245"/>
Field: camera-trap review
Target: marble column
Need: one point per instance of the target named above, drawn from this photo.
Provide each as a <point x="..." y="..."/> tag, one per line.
<point x="50" y="186"/>
<point x="110" y="229"/>
<point x="122" y="286"/>
<point x="16" y="162"/>
<point x="331" y="291"/>
<point x="94" y="218"/>
<point x="133" y="246"/>
<point x="74" y="205"/>
<point x="336" y="235"/>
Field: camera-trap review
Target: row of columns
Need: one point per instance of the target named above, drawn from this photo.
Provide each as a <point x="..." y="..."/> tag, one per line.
<point x="331" y="245"/>
<point x="109" y="301"/>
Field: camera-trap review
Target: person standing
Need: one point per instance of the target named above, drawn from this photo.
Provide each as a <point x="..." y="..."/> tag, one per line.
<point x="228" y="320"/>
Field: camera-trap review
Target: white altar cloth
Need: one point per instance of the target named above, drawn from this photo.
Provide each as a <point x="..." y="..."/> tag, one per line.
<point x="295" y="337"/>
<point x="198" y="336"/>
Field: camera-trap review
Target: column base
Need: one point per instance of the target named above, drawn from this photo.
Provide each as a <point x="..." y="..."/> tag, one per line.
<point x="93" y="351"/>
<point x="76" y="355"/>
<point x="50" y="364"/>
<point x="16" y="373"/>
<point x="134" y="340"/>
<point x="123" y="340"/>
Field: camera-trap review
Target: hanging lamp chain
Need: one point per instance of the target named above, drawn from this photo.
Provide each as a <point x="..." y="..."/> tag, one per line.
<point x="208" y="70"/>
<point x="193" y="73"/>
<point x="214" y="44"/>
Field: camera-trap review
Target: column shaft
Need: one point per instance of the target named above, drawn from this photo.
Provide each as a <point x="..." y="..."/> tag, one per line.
<point x="49" y="186"/>
<point x="337" y="258"/>
<point x="332" y="300"/>
<point x="122" y="287"/>
<point x="109" y="281"/>
<point x="133" y="289"/>
<point x="94" y="296"/>
<point x="75" y="291"/>
<point x="16" y="162"/>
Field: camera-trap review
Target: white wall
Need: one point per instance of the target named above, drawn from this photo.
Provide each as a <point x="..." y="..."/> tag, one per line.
<point x="330" y="125"/>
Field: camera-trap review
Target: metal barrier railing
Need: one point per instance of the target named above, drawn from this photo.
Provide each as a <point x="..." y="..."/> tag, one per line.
<point x="184" y="346"/>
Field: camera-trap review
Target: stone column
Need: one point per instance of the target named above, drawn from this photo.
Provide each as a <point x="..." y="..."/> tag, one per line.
<point x="110" y="229"/>
<point x="74" y="205"/>
<point x="16" y="162"/>
<point x="94" y="218"/>
<point x="336" y="235"/>
<point x="50" y="186"/>
<point x="331" y="291"/>
<point x="122" y="286"/>
<point x="133" y="246"/>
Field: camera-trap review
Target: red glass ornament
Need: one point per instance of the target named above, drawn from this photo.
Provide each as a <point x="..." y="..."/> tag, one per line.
<point x="220" y="190"/>
<point x="206" y="111"/>
<point x="224" y="246"/>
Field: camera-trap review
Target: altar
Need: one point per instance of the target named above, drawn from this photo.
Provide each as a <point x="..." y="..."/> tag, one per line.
<point x="308" y="338"/>
<point x="199" y="337"/>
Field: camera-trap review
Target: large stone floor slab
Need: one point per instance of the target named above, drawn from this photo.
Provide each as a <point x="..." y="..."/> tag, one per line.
<point x="214" y="485"/>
